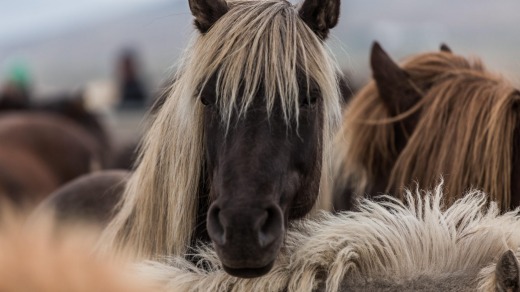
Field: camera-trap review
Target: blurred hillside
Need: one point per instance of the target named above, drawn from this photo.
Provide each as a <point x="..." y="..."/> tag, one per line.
<point x="70" y="49"/>
<point x="68" y="56"/>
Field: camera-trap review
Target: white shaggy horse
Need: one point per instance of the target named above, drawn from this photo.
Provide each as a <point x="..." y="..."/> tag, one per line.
<point x="386" y="246"/>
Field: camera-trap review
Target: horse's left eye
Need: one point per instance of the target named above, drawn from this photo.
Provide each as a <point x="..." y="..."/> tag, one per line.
<point x="205" y="101"/>
<point x="208" y="98"/>
<point x="308" y="101"/>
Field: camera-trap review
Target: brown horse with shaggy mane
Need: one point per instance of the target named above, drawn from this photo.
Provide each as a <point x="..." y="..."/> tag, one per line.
<point x="439" y="114"/>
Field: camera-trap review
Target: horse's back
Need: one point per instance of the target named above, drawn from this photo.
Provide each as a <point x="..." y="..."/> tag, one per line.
<point x="24" y="179"/>
<point x="91" y="198"/>
<point x="65" y="147"/>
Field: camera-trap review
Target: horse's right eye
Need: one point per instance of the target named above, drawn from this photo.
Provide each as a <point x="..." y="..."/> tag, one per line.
<point x="208" y="99"/>
<point x="205" y="101"/>
<point x="308" y="101"/>
<point x="208" y="94"/>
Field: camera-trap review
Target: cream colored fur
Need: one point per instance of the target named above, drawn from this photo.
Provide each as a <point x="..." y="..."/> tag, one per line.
<point x="385" y="241"/>
<point x="37" y="258"/>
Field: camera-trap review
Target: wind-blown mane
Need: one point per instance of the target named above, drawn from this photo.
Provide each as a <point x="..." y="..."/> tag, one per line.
<point x="256" y="43"/>
<point x="385" y="242"/>
<point x="465" y="131"/>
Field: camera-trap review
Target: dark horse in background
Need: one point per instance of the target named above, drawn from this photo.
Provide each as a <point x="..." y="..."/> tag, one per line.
<point x="40" y="152"/>
<point x="439" y="114"/>
<point x="49" y="141"/>
<point x="72" y="106"/>
<point x="67" y="105"/>
<point x="242" y="144"/>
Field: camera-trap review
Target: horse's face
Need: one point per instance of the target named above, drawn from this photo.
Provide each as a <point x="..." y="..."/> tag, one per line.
<point x="264" y="168"/>
<point x="264" y="171"/>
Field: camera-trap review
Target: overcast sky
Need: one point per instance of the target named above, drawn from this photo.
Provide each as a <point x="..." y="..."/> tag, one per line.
<point x="48" y="34"/>
<point x="26" y="18"/>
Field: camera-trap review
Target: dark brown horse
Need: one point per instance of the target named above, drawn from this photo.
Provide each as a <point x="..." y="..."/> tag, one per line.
<point x="439" y="114"/>
<point x="241" y="145"/>
<point x="39" y="152"/>
<point x="71" y="106"/>
<point x="24" y="178"/>
<point x="91" y="198"/>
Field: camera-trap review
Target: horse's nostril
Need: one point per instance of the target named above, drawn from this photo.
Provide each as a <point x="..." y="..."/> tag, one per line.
<point x="244" y="228"/>
<point x="271" y="227"/>
<point x="215" y="228"/>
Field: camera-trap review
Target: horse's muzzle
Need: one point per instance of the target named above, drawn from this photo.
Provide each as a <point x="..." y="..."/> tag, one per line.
<point x="247" y="239"/>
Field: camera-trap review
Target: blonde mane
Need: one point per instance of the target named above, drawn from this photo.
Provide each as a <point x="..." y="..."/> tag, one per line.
<point x="385" y="241"/>
<point x="464" y="133"/>
<point x="256" y="43"/>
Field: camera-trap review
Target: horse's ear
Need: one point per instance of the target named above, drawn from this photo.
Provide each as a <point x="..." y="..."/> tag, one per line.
<point x="393" y="83"/>
<point x="445" y="48"/>
<point x="320" y="15"/>
<point x="207" y="12"/>
<point x="508" y="273"/>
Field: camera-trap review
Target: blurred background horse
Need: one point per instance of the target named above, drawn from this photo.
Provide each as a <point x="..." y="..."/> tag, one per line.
<point x="438" y="115"/>
<point x="40" y="152"/>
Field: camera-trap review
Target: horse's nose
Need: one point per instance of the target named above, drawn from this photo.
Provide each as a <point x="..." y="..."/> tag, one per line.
<point x="254" y="228"/>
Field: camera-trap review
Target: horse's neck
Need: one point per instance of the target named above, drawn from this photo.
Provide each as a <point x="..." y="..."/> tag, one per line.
<point x="378" y="186"/>
<point x="345" y="200"/>
<point x="515" y="169"/>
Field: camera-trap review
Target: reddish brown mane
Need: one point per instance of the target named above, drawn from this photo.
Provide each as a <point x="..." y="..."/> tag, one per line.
<point x="465" y="131"/>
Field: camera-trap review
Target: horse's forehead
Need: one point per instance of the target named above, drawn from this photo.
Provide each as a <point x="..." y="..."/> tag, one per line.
<point x="458" y="281"/>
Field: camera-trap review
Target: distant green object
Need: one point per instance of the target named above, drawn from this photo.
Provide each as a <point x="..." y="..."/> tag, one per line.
<point x="19" y="75"/>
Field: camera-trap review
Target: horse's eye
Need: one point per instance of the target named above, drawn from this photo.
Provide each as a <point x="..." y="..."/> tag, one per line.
<point x="308" y="100"/>
<point x="207" y="93"/>
<point x="208" y="98"/>
<point x="205" y="101"/>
